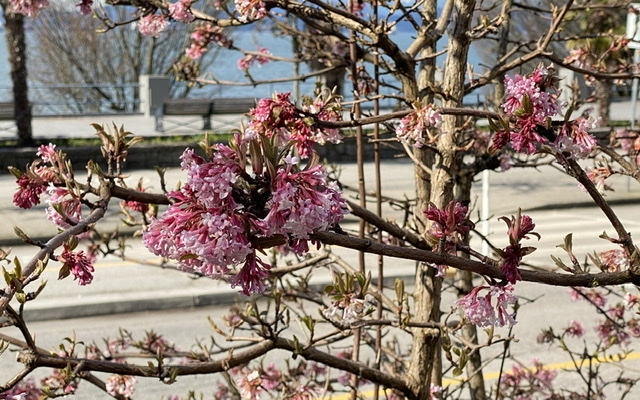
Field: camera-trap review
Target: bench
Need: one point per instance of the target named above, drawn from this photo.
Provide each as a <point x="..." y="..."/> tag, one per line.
<point x="203" y="108"/>
<point x="7" y="114"/>
<point x="6" y="111"/>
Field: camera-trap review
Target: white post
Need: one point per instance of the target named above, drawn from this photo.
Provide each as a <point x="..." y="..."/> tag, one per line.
<point x="154" y="90"/>
<point x="485" y="211"/>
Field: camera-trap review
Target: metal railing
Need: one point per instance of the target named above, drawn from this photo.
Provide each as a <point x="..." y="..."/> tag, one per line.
<point x="74" y="99"/>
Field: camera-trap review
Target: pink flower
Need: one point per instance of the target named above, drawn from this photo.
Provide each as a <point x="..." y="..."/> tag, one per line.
<point x="78" y="264"/>
<point x="271" y="377"/>
<point x="301" y="203"/>
<point x="614" y="260"/>
<point x="180" y="11"/>
<point x="598" y="176"/>
<point x="85" y="6"/>
<point x="250" y="386"/>
<point x="29" y="190"/>
<point x="30" y="8"/>
<point x="121" y="385"/>
<point x="453" y="219"/>
<point x="419" y="126"/>
<point x="480" y="311"/>
<point x="250" y="10"/>
<point x="205" y="34"/>
<point x="252" y="276"/>
<point x="280" y="118"/>
<point x="152" y="25"/>
<point x="249" y="60"/>
<point x="47" y="153"/>
<point x="518" y="228"/>
<point x="26" y="389"/>
<point x="574" y="137"/>
<point x="575" y="329"/>
<point x="532" y="100"/>
<point x="591" y="295"/>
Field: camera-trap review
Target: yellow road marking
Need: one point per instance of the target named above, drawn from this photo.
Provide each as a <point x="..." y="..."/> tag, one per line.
<point x="495" y="375"/>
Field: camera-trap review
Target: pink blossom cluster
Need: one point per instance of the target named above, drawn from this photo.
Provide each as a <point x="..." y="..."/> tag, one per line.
<point x="420" y="127"/>
<point x="30" y="8"/>
<point x="532" y="100"/>
<point x="580" y="57"/>
<point x="297" y="382"/>
<point x="481" y="311"/>
<point x="25" y="389"/>
<point x="205" y="34"/>
<point x="181" y="11"/>
<point x="60" y="382"/>
<point x="78" y="264"/>
<point x="223" y="214"/>
<point x="153" y="25"/>
<point x="575" y="329"/>
<point x="528" y="383"/>
<point x="448" y="225"/>
<point x="614" y="260"/>
<point x="278" y="117"/>
<point x="38" y="177"/>
<point x="622" y="322"/>
<point x="598" y="175"/>
<point x="250" y="10"/>
<point x="574" y="137"/>
<point x="121" y="385"/>
<point x="349" y="309"/>
<point x="630" y="143"/>
<point x="85" y="6"/>
<point x="249" y="60"/>
<point x="519" y="227"/>
<point x="45" y="176"/>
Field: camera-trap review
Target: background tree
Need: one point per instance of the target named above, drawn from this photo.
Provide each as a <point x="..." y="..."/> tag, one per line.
<point x="72" y="50"/>
<point x="17" y="46"/>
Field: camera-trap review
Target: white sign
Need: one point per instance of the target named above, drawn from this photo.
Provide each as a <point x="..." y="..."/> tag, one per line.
<point x="633" y="27"/>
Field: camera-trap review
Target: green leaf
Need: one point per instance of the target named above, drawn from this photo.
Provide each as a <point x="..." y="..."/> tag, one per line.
<point x="7" y="276"/>
<point x="65" y="270"/>
<point x="493" y="126"/>
<point x="23" y="236"/>
<point x="21" y="297"/>
<point x="457" y="371"/>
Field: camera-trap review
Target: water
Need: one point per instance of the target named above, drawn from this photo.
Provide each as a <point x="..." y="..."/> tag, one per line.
<point x="225" y="67"/>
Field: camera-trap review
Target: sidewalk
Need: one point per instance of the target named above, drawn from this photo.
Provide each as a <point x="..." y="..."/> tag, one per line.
<point x="126" y="286"/>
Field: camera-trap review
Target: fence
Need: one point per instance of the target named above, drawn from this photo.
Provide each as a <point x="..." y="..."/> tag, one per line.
<point x="73" y="99"/>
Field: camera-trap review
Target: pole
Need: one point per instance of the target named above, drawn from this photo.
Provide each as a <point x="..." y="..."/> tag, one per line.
<point x="485" y="211"/>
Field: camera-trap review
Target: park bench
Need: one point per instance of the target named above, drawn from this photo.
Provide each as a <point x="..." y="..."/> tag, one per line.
<point x="203" y="108"/>
<point x="6" y="114"/>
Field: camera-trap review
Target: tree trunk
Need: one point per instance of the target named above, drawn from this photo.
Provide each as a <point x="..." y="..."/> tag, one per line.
<point x="16" y="45"/>
<point x="439" y="190"/>
<point x="464" y="286"/>
<point x="604" y="94"/>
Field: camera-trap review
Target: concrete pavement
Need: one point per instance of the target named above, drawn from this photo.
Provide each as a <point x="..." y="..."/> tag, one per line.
<point x="129" y="286"/>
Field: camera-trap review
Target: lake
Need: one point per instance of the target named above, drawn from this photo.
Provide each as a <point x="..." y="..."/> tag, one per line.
<point x="225" y="67"/>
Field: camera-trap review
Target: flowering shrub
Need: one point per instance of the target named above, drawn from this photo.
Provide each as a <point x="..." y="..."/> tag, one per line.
<point x="223" y="215"/>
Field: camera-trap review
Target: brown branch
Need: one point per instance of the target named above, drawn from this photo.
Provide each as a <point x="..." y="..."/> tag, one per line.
<point x="57" y="241"/>
<point x="269" y="81"/>
<point x="400" y="114"/>
<point x="596" y="74"/>
<point x="549" y="278"/>
<point x="357" y="368"/>
<point x="387" y="226"/>
<point x="233" y="360"/>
